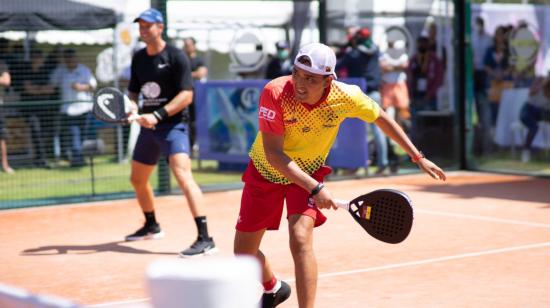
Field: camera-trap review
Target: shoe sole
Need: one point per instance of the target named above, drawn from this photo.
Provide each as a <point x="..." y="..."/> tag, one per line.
<point x="206" y="253"/>
<point x="154" y="236"/>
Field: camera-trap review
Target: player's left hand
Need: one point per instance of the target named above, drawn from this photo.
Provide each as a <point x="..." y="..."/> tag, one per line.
<point x="432" y="169"/>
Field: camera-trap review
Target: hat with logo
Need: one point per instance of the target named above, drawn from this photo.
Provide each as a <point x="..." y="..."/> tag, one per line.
<point x="322" y="58"/>
<point x="151" y="15"/>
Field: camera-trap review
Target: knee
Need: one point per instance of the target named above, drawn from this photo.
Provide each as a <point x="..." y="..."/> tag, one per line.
<point x="300" y="241"/>
<point x="138" y="181"/>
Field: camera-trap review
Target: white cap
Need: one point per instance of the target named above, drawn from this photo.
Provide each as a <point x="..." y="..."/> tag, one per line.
<point x="322" y="58"/>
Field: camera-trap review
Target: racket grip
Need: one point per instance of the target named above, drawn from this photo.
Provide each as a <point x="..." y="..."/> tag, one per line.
<point x="342" y="204"/>
<point x="133" y="117"/>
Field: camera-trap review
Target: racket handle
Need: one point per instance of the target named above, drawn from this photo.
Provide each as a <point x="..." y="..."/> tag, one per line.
<point x="133" y="117"/>
<point x="342" y="203"/>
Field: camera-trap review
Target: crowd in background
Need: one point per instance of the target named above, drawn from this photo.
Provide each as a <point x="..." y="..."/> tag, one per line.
<point x="402" y="84"/>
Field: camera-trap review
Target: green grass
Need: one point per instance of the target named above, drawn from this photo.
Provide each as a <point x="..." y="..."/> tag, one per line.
<point x="504" y="161"/>
<point x="110" y="178"/>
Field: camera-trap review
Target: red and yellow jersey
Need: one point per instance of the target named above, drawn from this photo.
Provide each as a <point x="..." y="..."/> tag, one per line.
<point x="309" y="130"/>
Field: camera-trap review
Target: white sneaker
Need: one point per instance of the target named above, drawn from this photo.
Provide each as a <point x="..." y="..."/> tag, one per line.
<point x="525" y="156"/>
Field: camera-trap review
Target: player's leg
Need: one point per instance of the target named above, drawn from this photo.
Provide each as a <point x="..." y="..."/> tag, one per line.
<point x="180" y="164"/>
<point x="303" y="216"/>
<point x="261" y="209"/>
<point x="248" y="243"/>
<point x="174" y="142"/>
<point x="145" y="157"/>
<point x="305" y="265"/>
<point x="139" y="178"/>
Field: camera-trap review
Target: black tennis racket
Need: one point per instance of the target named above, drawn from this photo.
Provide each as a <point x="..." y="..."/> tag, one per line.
<point x="112" y="106"/>
<point x="386" y="214"/>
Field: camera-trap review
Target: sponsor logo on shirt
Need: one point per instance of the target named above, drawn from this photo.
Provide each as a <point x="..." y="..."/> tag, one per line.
<point x="290" y="121"/>
<point x="150" y="89"/>
<point x="266" y="114"/>
<point x="162" y="65"/>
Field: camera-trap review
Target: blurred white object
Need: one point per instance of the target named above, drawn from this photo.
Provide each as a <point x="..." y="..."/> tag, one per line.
<point x="13" y="297"/>
<point x="206" y="283"/>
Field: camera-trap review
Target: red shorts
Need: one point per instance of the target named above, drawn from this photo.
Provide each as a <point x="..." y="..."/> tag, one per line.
<point x="262" y="201"/>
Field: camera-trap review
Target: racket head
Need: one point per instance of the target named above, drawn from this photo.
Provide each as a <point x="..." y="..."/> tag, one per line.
<point x="386" y="214"/>
<point x="110" y="105"/>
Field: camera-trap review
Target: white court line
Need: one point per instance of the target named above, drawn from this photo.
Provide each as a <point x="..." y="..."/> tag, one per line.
<point x="384" y="267"/>
<point x="485" y="218"/>
<point x="114" y="304"/>
<point x="432" y="260"/>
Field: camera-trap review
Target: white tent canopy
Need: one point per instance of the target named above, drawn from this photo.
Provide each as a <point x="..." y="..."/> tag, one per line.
<point x="215" y="24"/>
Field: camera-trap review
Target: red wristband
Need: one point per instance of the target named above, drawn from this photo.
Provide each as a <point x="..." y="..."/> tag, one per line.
<point x="418" y="157"/>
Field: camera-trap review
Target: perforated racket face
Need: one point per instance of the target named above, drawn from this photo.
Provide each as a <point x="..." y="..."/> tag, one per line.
<point x="109" y="105"/>
<point x="386" y="214"/>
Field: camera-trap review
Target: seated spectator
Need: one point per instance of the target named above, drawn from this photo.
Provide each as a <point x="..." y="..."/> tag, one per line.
<point x="5" y="81"/>
<point x="535" y="110"/>
<point x="76" y="84"/>
<point x="280" y="64"/>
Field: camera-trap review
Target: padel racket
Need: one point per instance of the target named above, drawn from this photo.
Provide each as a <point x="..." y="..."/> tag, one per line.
<point x="386" y="214"/>
<point x="112" y="106"/>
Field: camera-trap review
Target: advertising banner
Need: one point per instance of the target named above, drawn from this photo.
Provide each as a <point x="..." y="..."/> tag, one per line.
<point x="227" y="124"/>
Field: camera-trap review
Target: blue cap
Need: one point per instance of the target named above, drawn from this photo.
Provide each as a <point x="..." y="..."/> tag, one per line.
<point x="151" y="15"/>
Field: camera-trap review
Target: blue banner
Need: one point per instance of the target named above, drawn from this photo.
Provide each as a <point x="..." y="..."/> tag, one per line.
<point x="227" y="124"/>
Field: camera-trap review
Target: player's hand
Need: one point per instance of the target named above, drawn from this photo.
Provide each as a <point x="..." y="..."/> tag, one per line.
<point x="324" y="199"/>
<point x="431" y="169"/>
<point x="147" y="120"/>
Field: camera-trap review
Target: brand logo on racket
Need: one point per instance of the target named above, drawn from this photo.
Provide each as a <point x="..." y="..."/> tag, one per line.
<point x="103" y="102"/>
<point x="366" y="212"/>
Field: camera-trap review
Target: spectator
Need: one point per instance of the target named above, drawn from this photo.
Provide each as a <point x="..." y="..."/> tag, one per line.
<point x="424" y="77"/>
<point x="280" y="64"/>
<point x="199" y="72"/>
<point x="481" y="41"/>
<point x="432" y="43"/>
<point x="76" y="84"/>
<point x="39" y="116"/>
<point x="5" y="81"/>
<point x="395" y="95"/>
<point x="362" y="60"/>
<point x="497" y="68"/>
<point x="535" y="110"/>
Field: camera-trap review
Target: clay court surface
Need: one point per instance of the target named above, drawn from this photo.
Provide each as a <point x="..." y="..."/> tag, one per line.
<point x="478" y="240"/>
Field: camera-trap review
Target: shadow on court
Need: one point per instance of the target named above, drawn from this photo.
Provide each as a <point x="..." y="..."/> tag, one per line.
<point x="528" y="190"/>
<point x="88" y="249"/>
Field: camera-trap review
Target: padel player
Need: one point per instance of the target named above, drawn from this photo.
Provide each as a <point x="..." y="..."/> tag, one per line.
<point x="299" y="116"/>
<point x="161" y="74"/>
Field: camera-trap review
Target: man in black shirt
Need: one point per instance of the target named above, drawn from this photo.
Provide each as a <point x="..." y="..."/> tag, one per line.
<point x="199" y="71"/>
<point x="162" y="75"/>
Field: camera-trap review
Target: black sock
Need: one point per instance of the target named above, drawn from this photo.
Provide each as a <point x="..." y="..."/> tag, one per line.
<point x="150" y="218"/>
<point x="202" y="228"/>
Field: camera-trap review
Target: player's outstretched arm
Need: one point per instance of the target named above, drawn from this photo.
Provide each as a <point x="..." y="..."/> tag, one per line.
<point x="396" y="133"/>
